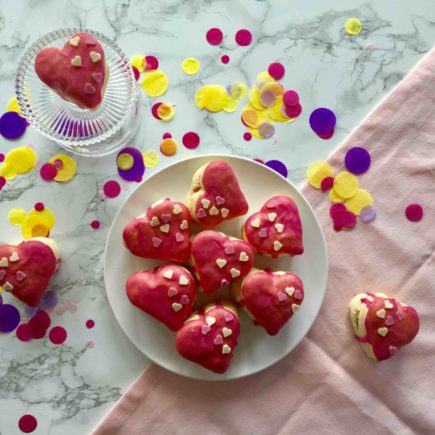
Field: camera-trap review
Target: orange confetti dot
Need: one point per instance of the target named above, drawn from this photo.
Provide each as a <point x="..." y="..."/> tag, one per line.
<point x="168" y="147"/>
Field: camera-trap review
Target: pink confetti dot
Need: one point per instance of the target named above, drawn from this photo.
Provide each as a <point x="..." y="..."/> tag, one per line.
<point x="39" y="206"/>
<point x="276" y="70"/>
<point x="225" y="58"/>
<point x="90" y="324"/>
<point x="167" y="135"/>
<point x="151" y="63"/>
<point x="111" y="188"/>
<point x="24" y="332"/>
<point x="414" y="212"/>
<point x="243" y="37"/>
<point x="136" y="73"/>
<point x="2" y="157"/>
<point x="2" y="182"/>
<point x="90" y="344"/>
<point x="27" y="423"/>
<point x="247" y="136"/>
<point x="57" y="335"/>
<point x="214" y="36"/>
<point x="191" y="140"/>
<point x="291" y="98"/>
<point x="48" y="171"/>
<point x="95" y="224"/>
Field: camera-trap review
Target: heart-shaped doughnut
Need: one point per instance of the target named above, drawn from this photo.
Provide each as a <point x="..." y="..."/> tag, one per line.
<point x="275" y="230"/>
<point x="78" y="72"/>
<point x="215" y="195"/>
<point x="162" y="233"/>
<point x="26" y="269"/>
<point x="167" y="293"/>
<point x="209" y="336"/>
<point x="381" y="324"/>
<point x="218" y="260"/>
<point x="269" y="298"/>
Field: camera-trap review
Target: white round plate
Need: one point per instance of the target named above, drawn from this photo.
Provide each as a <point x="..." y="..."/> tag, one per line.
<point x="256" y="349"/>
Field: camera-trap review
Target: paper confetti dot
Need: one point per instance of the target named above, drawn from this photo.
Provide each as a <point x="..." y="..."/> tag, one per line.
<point x="9" y="318"/>
<point x="165" y="111"/>
<point x="90" y="344"/>
<point x="353" y="26"/>
<point x="2" y="157"/>
<point x="168" y="147"/>
<point x="278" y="166"/>
<point x="243" y="37"/>
<point x="2" y="182"/>
<point x="111" y="188"/>
<point x="368" y="214"/>
<point x="266" y="130"/>
<point x="24" y="332"/>
<point x="345" y="184"/>
<point x="95" y="224"/>
<point x="190" y="66"/>
<point x="27" y="423"/>
<point x="357" y="160"/>
<point x="322" y="120"/>
<point x="12" y="125"/>
<point x="137" y="169"/>
<point x="151" y="63"/>
<point x="293" y="111"/>
<point x="138" y="61"/>
<point x="8" y="171"/>
<point x="46" y="215"/>
<point x="336" y="208"/>
<point x="247" y="136"/>
<point x="361" y="199"/>
<point x="154" y="83"/>
<point x="48" y="172"/>
<point x="90" y="324"/>
<point x="214" y="36"/>
<point x="327" y="184"/>
<point x="291" y="98"/>
<point x="191" y="140"/>
<point x="151" y="158"/>
<point x="124" y="161"/>
<point x="16" y="216"/>
<point x="333" y="197"/>
<point x="22" y="158"/>
<point x="317" y="171"/>
<point x="67" y="170"/>
<point x="276" y="70"/>
<point x="225" y="59"/>
<point x="414" y="212"/>
<point x="39" y="206"/>
<point x="13" y="106"/>
<point x="136" y="73"/>
<point x="57" y="335"/>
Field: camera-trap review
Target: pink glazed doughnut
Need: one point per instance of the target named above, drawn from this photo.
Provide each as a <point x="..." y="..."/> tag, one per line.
<point x="78" y="72"/>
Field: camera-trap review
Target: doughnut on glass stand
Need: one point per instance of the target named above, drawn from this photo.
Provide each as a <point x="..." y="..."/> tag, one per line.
<point x="86" y="132"/>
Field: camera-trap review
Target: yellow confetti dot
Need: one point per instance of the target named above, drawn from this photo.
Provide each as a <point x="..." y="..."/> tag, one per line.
<point x="254" y="99"/>
<point x="67" y="171"/>
<point x="22" y="158"/>
<point x="352" y="26"/>
<point x="263" y="78"/>
<point x="9" y="171"/>
<point x="255" y="133"/>
<point x="345" y="184"/>
<point x="230" y="104"/>
<point x="361" y="199"/>
<point x="211" y="97"/>
<point x="190" y="66"/>
<point x="150" y="158"/>
<point x="13" y="106"/>
<point x="276" y="112"/>
<point x="333" y="197"/>
<point x="34" y="225"/>
<point x="125" y="161"/>
<point x="165" y="111"/>
<point x="138" y="61"/>
<point x="168" y="147"/>
<point x="238" y="90"/>
<point x="46" y="217"/>
<point x="317" y="171"/>
<point x="155" y="83"/>
<point x="16" y="216"/>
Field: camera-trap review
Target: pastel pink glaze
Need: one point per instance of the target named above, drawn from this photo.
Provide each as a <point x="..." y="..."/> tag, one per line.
<point x="219" y="181"/>
<point x="37" y="262"/>
<point x="200" y="348"/>
<point x="209" y="246"/>
<point x="149" y="290"/>
<point x="287" y="215"/>
<point x="73" y="83"/>
<point x="259" y="293"/>
<point x="403" y="331"/>
<point x="140" y="237"/>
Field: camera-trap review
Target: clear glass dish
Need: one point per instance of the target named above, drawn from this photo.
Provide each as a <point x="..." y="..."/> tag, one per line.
<point x="81" y="131"/>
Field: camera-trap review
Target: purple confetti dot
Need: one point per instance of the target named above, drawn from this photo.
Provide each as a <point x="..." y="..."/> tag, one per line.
<point x="357" y="160"/>
<point x="278" y="166"/>
<point x="9" y="318"/>
<point x="322" y="120"/>
<point x="137" y="170"/>
<point x="12" y="125"/>
<point x="368" y="214"/>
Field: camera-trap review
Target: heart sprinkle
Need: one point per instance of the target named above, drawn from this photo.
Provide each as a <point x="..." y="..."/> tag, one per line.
<point x="393" y="350"/>
<point x="262" y="233"/>
<point x="224" y="212"/>
<point x="381" y="313"/>
<point x="165" y="217"/>
<point x="205" y="329"/>
<point x="168" y="273"/>
<point x="228" y="317"/>
<point x="400" y="315"/>
<point x="243" y="256"/>
<point x="89" y="89"/>
<point x="2" y="274"/>
<point x="281" y="296"/>
<point x="255" y="223"/>
<point x="205" y="203"/>
<point x="229" y="250"/>
<point x="76" y="61"/>
<point x="290" y="291"/>
<point x="221" y="262"/>
<point x="75" y="41"/>
<point x="177" y="209"/>
<point x="226" y="331"/>
<point x="95" y="57"/>
<point x="295" y="307"/>
<point x="7" y="286"/>
<point x="4" y="262"/>
<point x="172" y="292"/>
<point x="183" y="280"/>
<point x="383" y="331"/>
<point x="235" y="272"/>
<point x="201" y="213"/>
<point x="298" y="295"/>
<point x="179" y="237"/>
<point x="220" y="200"/>
<point x="389" y="321"/>
<point x="226" y="349"/>
<point x="210" y="320"/>
<point x="14" y="257"/>
<point x="214" y="211"/>
<point x="271" y="217"/>
<point x="165" y="228"/>
<point x="224" y="283"/>
<point x="218" y="340"/>
<point x="20" y="276"/>
<point x="388" y="305"/>
<point x="184" y="299"/>
<point x="156" y="242"/>
<point x="277" y="245"/>
<point x="184" y="225"/>
<point x="176" y="306"/>
<point x="98" y="77"/>
<point x="279" y="228"/>
<point x="154" y="221"/>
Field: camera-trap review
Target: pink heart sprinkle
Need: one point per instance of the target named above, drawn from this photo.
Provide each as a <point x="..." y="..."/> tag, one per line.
<point x="165" y="218"/>
<point x="2" y="274"/>
<point x="20" y="276"/>
<point x="205" y="329"/>
<point x="228" y="317"/>
<point x="89" y="89"/>
<point x="298" y="295"/>
<point x="218" y="340"/>
<point x="201" y="213"/>
<point x="98" y="77"/>
<point x="281" y="296"/>
<point x="400" y="315"/>
<point x="220" y="200"/>
<point x="172" y="292"/>
<point x="393" y="350"/>
<point x="224" y="283"/>
<point x="262" y="233"/>
<point x="229" y="249"/>
<point x="179" y="237"/>
<point x="389" y="321"/>
<point x="156" y="242"/>
<point x="184" y="300"/>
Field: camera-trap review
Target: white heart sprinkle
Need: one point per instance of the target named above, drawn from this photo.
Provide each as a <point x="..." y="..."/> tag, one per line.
<point x="154" y="221"/>
<point x="295" y="307"/>
<point x="226" y="332"/>
<point x="75" y="41"/>
<point x="14" y="257"/>
<point x="277" y="245"/>
<point x="7" y="286"/>
<point x="255" y="223"/>
<point x="271" y="216"/>
<point x="290" y="291"/>
<point x="76" y="61"/>
<point x="221" y="262"/>
<point x="381" y="313"/>
<point x="224" y="212"/>
<point x="164" y="228"/>
<point x="177" y="209"/>
<point x="95" y="57"/>
<point x="168" y="273"/>
<point x="4" y="262"/>
<point x="205" y="203"/>
<point x="388" y="305"/>
<point x="243" y="256"/>
<point x="214" y="211"/>
<point x="210" y="320"/>
<point x="226" y="349"/>
<point x="279" y="228"/>
<point x="184" y="225"/>
<point x="176" y="306"/>
<point x="383" y="331"/>
<point x="235" y="272"/>
<point x="183" y="280"/>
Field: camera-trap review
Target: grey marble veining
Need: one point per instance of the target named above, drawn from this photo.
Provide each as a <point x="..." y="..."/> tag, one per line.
<point x="69" y="388"/>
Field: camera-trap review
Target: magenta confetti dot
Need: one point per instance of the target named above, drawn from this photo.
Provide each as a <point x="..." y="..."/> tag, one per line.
<point x="24" y="332"/>
<point x="292" y="111"/>
<point x="368" y="214"/>
<point x="137" y="170"/>
<point x="290" y="98"/>
<point x="259" y="161"/>
<point x="151" y="63"/>
<point x="90" y="324"/>
<point x="136" y="73"/>
<point x="57" y="335"/>
<point x="112" y="188"/>
<point x="12" y="125"/>
<point x="357" y="160"/>
<point x="276" y="70"/>
<point x="327" y="183"/>
<point x="9" y="318"/>
<point x="214" y="36"/>
<point x="154" y="109"/>
<point x="2" y="158"/>
<point x="225" y="58"/>
<point x="39" y="206"/>
<point x="167" y="135"/>
<point x="191" y="140"/>
<point x="335" y="208"/>
<point x="326" y="135"/>
<point x="48" y="171"/>
<point x="95" y="224"/>
<point x="278" y="166"/>
<point x="27" y="423"/>
<point x="414" y="212"/>
<point x="247" y="136"/>
<point x="243" y="37"/>
<point x="58" y="163"/>
<point x="322" y="120"/>
<point x="2" y="182"/>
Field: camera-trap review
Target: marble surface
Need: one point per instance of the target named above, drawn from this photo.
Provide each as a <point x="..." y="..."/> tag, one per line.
<point x="69" y="388"/>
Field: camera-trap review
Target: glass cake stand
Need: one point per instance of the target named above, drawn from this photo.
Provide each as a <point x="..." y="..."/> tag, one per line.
<point x="81" y="131"/>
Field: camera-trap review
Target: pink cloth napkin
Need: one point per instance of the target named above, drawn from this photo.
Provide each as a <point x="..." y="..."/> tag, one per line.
<point x="327" y="385"/>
